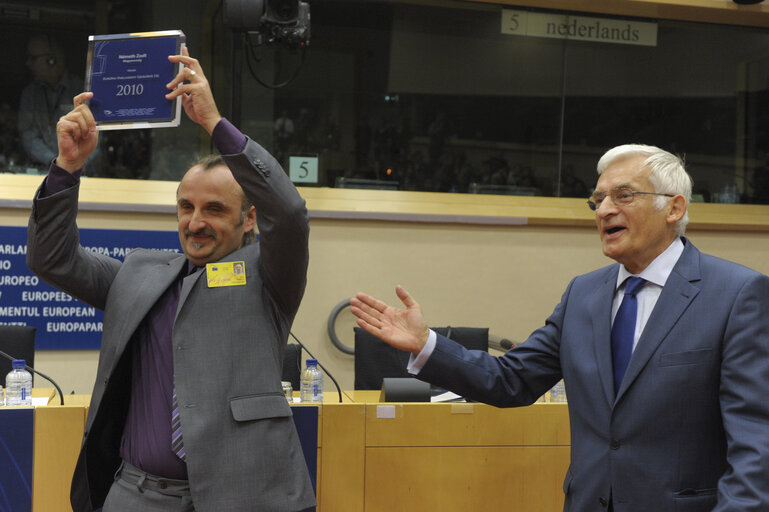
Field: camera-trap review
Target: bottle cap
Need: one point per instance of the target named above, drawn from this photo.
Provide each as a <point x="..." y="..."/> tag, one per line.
<point x="18" y="364"/>
<point x="312" y="362"/>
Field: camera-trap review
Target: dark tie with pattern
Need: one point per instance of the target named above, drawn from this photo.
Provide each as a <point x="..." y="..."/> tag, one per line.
<point x="623" y="330"/>
<point x="177" y="443"/>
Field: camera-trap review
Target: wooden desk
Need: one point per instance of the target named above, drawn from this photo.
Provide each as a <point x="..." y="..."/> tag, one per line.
<point x="448" y="457"/>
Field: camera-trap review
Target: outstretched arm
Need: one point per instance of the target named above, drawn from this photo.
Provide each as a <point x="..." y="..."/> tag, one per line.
<point x="404" y="329"/>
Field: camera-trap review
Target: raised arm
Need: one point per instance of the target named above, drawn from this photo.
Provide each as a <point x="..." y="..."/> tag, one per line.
<point x="281" y="214"/>
<point x="53" y="243"/>
<point x="193" y="87"/>
<point x="76" y="135"/>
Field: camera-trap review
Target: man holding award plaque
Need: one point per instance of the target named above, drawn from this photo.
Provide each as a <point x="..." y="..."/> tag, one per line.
<point x="187" y="412"/>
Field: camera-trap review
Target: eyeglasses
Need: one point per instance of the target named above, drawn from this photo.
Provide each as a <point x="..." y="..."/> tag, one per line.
<point x="622" y="196"/>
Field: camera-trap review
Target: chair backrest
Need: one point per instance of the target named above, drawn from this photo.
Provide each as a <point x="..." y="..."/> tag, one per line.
<point x="472" y="338"/>
<point x="292" y="364"/>
<point x="375" y="359"/>
<point x="18" y="341"/>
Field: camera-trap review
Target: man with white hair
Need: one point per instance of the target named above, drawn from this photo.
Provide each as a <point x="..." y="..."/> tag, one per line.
<point x="665" y="356"/>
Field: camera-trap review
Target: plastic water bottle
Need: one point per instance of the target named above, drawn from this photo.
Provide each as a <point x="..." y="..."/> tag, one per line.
<point x="558" y="392"/>
<point x="312" y="383"/>
<point x="2" y="396"/>
<point x="18" y="384"/>
<point x="729" y="194"/>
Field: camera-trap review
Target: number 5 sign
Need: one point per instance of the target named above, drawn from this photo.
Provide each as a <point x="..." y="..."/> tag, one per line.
<point x="303" y="169"/>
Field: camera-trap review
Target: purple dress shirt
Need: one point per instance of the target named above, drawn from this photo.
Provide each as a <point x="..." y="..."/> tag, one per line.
<point x="146" y="441"/>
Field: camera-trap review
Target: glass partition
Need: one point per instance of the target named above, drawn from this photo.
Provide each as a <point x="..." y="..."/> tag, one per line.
<point x="429" y="96"/>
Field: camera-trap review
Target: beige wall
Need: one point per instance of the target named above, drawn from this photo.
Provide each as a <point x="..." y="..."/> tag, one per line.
<point x="507" y="278"/>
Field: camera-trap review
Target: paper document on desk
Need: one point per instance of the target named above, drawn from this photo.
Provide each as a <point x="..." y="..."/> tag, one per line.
<point x="448" y="396"/>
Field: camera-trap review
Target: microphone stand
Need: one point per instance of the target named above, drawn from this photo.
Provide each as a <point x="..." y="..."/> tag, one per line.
<point x="46" y="377"/>
<point x="338" y="389"/>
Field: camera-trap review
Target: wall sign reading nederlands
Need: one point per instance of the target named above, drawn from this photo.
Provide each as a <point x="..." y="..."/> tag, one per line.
<point x="63" y="322"/>
<point x="582" y="28"/>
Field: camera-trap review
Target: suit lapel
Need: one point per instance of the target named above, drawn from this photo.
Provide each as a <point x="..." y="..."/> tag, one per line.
<point x="152" y="283"/>
<point x="678" y="293"/>
<point x="601" y="308"/>
<point x="187" y="284"/>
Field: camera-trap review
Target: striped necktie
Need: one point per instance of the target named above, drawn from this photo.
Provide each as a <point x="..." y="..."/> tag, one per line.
<point x="177" y="443"/>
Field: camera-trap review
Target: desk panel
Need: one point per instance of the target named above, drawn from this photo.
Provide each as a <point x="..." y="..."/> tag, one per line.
<point x="58" y="435"/>
<point x="343" y="458"/>
<point x="463" y="424"/>
<point x="458" y="456"/>
<point x="466" y="478"/>
<point x="16" y="459"/>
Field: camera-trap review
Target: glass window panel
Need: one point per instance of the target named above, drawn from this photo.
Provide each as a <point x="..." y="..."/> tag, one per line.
<point x="429" y="96"/>
<point x="689" y="94"/>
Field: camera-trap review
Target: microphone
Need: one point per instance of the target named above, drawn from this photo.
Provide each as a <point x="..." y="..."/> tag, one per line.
<point x="46" y="377"/>
<point x="502" y="344"/>
<point x="338" y="389"/>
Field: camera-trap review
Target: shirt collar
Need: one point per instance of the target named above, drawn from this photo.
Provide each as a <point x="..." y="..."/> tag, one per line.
<point x="191" y="268"/>
<point x="659" y="270"/>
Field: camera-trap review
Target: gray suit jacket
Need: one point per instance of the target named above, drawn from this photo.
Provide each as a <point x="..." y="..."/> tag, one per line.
<point x="243" y="452"/>
<point x="688" y="429"/>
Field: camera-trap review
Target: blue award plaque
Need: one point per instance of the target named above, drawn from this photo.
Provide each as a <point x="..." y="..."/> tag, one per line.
<point x="127" y="74"/>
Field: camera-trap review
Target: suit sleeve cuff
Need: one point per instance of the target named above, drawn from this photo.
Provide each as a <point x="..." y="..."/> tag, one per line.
<point x="416" y="362"/>
<point x="228" y="139"/>
<point x="58" y="179"/>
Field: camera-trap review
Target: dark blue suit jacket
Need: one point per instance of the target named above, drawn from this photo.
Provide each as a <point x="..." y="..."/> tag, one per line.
<point x="689" y="428"/>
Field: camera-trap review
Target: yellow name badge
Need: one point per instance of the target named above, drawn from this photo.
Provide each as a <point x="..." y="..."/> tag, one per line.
<point x="226" y="273"/>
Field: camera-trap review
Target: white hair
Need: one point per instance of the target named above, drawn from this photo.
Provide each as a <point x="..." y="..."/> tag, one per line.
<point x="667" y="176"/>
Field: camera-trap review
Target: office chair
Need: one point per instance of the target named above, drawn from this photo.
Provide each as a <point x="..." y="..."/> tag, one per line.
<point x="375" y="359"/>
<point x="292" y="365"/>
<point x="472" y="338"/>
<point x="18" y="341"/>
